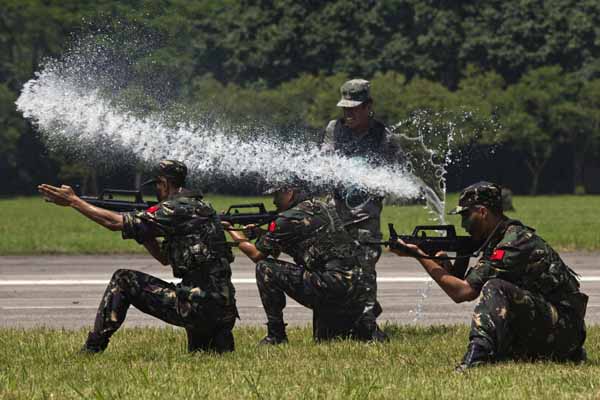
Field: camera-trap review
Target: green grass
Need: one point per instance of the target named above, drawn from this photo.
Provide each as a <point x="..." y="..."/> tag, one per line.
<point x="31" y="226"/>
<point x="152" y="363"/>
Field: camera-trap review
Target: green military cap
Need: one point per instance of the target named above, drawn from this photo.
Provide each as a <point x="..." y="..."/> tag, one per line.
<point x="354" y="93"/>
<point x="479" y="194"/>
<point x="171" y="169"/>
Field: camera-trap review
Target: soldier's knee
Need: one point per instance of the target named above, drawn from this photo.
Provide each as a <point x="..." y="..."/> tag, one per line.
<point x="120" y="274"/>
<point x="122" y="278"/>
<point x="494" y="285"/>
<point x="494" y="290"/>
<point x="263" y="269"/>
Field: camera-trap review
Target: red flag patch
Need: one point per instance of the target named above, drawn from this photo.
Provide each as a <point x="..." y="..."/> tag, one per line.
<point x="153" y="209"/>
<point x="272" y="226"/>
<point x="497" y="255"/>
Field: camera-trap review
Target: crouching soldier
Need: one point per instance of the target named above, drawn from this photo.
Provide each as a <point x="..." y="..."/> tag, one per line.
<point x="328" y="275"/>
<point x="529" y="302"/>
<point x="194" y="245"/>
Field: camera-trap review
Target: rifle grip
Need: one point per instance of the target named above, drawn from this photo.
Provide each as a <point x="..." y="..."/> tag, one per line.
<point x="393" y="233"/>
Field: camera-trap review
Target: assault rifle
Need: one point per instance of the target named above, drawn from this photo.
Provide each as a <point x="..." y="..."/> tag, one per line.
<point x="233" y="215"/>
<point x="107" y="200"/>
<point x="464" y="246"/>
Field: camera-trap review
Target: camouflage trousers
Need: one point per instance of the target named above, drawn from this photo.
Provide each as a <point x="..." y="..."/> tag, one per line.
<point x="208" y="326"/>
<point x="372" y="307"/>
<point x="339" y="297"/>
<point x="515" y="323"/>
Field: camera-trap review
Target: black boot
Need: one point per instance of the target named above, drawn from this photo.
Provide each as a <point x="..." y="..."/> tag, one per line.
<point x="476" y="355"/>
<point x="579" y="356"/>
<point x="275" y="334"/>
<point x="95" y="343"/>
<point x="379" y="335"/>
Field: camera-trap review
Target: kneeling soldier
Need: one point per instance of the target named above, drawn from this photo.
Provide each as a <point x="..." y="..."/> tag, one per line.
<point x="194" y="245"/>
<point x="529" y="304"/>
<point x="329" y="273"/>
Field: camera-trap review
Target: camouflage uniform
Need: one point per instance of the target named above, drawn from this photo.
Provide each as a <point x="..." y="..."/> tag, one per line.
<point x="530" y="304"/>
<point x="194" y="245"/>
<point x="360" y="211"/>
<point x="328" y="276"/>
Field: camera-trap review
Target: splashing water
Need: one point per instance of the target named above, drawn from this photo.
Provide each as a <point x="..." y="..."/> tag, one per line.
<point x="428" y="166"/>
<point x="69" y="112"/>
<point x="68" y="103"/>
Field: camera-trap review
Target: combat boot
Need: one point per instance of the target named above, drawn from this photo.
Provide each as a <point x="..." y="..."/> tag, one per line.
<point x="275" y="334"/>
<point x="379" y="335"/>
<point x="94" y="344"/>
<point x="579" y="356"/>
<point x="476" y="355"/>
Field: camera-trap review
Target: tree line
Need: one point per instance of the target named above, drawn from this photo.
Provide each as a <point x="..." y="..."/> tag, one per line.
<point x="523" y="75"/>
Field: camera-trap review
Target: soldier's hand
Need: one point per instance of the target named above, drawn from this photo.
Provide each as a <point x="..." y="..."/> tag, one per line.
<point x="62" y="196"/>
<point x="406" y="249"/>
<point x="446" y="264"/>
<point x="252" y="231"/>
<point x="226" y="225"/>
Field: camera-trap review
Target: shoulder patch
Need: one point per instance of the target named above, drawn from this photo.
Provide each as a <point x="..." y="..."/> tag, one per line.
<point x="497" y="255"/>
<point x="153" y="209"/>
<point x="272" y="226"/>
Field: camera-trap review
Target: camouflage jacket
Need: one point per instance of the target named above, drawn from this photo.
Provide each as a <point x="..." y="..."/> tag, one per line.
<point x="361" y="210"/>
<point x="313" y="235"/>
<point x="194" y="242"/>
<point x="518" y="255"/>
<point x="377" y="145"/>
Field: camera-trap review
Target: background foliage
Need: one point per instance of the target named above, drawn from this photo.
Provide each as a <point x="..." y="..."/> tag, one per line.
<point x="532" y="67"/>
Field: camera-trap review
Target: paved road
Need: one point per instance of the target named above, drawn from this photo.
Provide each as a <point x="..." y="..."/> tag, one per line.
<point x="64" y="291"/>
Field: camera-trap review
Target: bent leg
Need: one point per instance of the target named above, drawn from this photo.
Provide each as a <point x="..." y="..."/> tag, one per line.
<point x="216" y="336"/>
<point x="366" y="326"/>
<point x="511" y="321"/>
<point x="277" y="278"/>
<point x="127" y="287"/>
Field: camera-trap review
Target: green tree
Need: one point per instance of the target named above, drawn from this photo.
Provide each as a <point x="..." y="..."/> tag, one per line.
<point x="529" y="111"/>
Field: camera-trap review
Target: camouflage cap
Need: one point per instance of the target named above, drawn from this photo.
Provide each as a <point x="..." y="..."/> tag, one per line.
<point x="171" y="169"/>
<point x="354" y="93"/>
<point x="481" y="194"/>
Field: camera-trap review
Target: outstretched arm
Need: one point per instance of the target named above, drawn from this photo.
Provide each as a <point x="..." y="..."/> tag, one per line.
<point x="245" y="245"/>
<point x="65" y="196"/>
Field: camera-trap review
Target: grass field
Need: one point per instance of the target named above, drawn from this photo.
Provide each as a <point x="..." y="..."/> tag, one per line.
<point x="31" y="226"/>
<point x="152" y="363"/>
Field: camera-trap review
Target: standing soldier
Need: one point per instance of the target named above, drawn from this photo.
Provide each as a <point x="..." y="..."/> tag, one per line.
<point x="359" y="134"/>
<point x="194" y="245"/>
<point x="328" y="274"/>
<point x="529" y="305"/>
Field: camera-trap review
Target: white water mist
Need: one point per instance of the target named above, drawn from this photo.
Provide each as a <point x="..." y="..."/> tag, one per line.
<point x="67" y="111"/>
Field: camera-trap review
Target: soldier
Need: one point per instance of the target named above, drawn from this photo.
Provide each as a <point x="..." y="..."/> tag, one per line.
<point x="359" y="134"/>
<point x="328" y="274"/>
<point x="529" y="304"/>
<point x="194" y="245"/>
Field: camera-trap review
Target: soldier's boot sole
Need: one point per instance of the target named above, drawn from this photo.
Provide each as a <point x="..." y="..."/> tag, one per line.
<point x="273" y="341"/>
